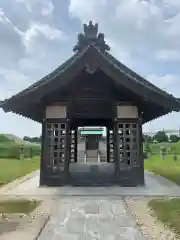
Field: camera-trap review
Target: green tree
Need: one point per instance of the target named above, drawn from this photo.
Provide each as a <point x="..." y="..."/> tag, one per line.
<point x="32" y="139"/>
<point x="147" y="138"/>
<point x="161" y="136"/>
<point x="25" y="138"/>
<point x="174" y="138"/>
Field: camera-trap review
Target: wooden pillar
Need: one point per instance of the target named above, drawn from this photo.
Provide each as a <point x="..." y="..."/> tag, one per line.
<point x="116" y="148"/>
<point x="141" y="155"/>
<point x="108" y="145"/>
<point x="76" y="145"/>
<point x="67" y="149"/>
<point x="42" y="159"/>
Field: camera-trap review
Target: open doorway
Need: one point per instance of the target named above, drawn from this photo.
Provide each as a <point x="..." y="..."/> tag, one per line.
<point x="92" y="147"/>
<point x="92" y="166"/>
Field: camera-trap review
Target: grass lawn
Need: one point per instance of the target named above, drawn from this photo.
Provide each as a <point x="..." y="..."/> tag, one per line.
<point x="166" y="168"/>
<point x="168" y="212"/>
<point x="18" y="206"/>
<point x="10" y="169"/>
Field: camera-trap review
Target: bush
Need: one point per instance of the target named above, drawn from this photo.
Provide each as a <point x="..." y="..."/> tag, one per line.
<point x="174" y="138"/>
<point x="155" y="148"/>
<point x="161" y="136"/>
<point x="4" y="139"/>
<point x="13" y="150"/>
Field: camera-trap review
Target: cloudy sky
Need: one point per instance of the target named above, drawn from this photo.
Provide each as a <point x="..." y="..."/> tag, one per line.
<point x="36" y="36"/>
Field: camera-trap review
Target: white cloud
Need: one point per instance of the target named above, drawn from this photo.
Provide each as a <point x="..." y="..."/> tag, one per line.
<point x="48" y="9"/>
<point x="122" y="54"/>
<point x="44" y="7"/>
<point x="86" y="10"/>
<point x="145" y="36"/>
<point x="44" y="29"/>
<point x="139" y="26"/>
<point x="172" y="3"/>
<point x="142" y="34"/>
<point x="141" y="12"/>
<point x="5" y="22"/>
<point x="12" y="82"/>
<point x="34" y="34"/>
<point x="168" y="55"/>
<point x="147" y="29"/>
<point x="17" y="125"/>
<point x="165" y="82"/>
<point x="30" y="47"/>
<point x="11" y="46"/>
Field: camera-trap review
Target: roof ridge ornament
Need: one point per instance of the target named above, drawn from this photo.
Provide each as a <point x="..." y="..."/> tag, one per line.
<point x="91" y="37"/>
<point x="90" y="31"/>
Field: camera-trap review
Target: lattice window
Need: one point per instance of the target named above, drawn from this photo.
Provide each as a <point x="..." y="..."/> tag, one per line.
<point x="72" y="153"/>
<point x="56" y="135"/>
<point x="128" y="138"/>
<point x="111" y="146"/>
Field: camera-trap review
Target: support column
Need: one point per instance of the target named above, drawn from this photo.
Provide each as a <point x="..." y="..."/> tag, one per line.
<point x="141" y="155"/>
<point x="42" y="160"/>
<point x="108" y="145"/>
<point x="76" y="144"/>
<point x="116" y="147"/>
<point x="57" y="145"/>
<point x="129" y="158"/>
<point x="129" y="152"/>
<point x="67" y="150"/>
<point x="56" y="152"/>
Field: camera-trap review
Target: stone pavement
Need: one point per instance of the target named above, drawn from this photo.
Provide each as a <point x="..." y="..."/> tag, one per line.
<point x="90" y="212"/>
<point x="90" y="218"/>
<point x="156" y="186"/>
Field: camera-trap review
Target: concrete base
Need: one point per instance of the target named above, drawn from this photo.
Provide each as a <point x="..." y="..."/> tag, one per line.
<point x="154" y="186"/>
<point x="90" y="174"/>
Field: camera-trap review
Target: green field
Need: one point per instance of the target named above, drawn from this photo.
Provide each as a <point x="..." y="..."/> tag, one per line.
<point x="10" y="169"/>
<point x="167" y="168"/>
<point x="167" y="211"/>
<point x="10" y="148"/>
<point x="155" y="148"/>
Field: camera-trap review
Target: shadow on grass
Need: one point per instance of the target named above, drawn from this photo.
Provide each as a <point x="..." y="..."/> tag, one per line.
<point x="18" y="206"/>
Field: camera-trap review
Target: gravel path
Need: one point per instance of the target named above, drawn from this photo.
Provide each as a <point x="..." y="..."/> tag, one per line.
<point x="98" y="212"/>
<point x="88" y="218"/>
<point x="146" y="219"/>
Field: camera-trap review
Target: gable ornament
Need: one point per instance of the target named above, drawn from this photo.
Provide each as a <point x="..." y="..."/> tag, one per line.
<point x="91" y="37"/>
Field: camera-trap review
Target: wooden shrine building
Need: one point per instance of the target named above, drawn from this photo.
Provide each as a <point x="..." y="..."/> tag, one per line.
<point x="92" y="88"/>
<point x="91" y="136"/>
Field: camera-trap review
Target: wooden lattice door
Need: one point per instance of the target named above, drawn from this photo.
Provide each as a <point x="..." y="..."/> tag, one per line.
<point x="128" y="155"/>
<point x="110" y="145"/>
<point x="128" y="144"/>
<point x="73" y="147"/>
<point x="55" y="147"/>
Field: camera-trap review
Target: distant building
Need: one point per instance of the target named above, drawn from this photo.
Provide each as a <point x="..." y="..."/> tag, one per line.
<point x="84" y="131"/>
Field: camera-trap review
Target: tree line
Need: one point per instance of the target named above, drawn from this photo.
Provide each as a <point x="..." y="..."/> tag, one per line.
<point x="161" y="136"/>
<point x="32" y="139"/>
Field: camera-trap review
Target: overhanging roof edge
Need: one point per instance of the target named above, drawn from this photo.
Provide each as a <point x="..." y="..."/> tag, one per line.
<point x="108" y="57"/>
<point x="42" y="81"/>
<point x="147" y="86"/>
<point x="139" y="79"/>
